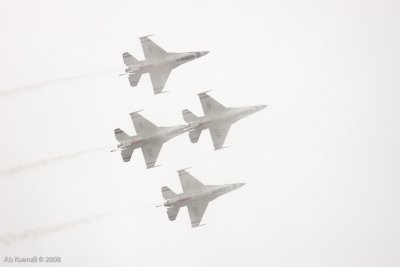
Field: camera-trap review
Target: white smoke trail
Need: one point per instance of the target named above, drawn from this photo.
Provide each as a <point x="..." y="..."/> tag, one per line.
<point x="34" y="233"/>
<point x="44" y="162"/>
<point x="11" y="238"/>
<point x="40" y="85"/>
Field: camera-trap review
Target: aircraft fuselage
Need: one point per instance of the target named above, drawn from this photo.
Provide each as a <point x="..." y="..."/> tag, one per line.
<point x="160" y="135"/>
<point x="227" y="116"/>
<point x="209" y="193"/>
<point x="171" y="60"/>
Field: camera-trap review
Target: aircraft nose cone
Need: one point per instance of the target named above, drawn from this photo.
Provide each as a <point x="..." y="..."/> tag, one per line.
<point x="262" y="107"/>
<point x="240" y="185"/>
<point x="203" y="53"/>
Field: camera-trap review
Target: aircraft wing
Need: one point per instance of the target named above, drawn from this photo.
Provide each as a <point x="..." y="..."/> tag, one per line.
<point x="141" y="124"/>
<point x="159" y="77"/>
<point x="188" y="182"/>
<point x="150" y="153"/>
<point x="218" y="134"/>
<point x="209" y="104"/>
<point x="196" y="211"/>
<point x="150" y="49"/>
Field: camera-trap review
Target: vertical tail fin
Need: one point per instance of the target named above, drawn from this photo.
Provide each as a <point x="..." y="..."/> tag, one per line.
<point x="129" y="60"/>
<point x="167" y="193"/>
<point x="120" y="135"/>
<point x="188" y="116"/>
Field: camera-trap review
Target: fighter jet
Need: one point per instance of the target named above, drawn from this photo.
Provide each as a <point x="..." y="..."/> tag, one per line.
<point x="158" y="63"/>
<point x="218" y="119"/>
<point x="195" y="196"/>
<point x="149" y="138"/>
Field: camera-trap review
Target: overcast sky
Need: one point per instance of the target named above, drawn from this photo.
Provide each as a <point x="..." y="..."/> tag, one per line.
<point x="321" y="163"/>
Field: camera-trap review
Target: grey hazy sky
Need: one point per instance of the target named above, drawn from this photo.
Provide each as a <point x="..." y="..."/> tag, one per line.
<point x="321" y="163"/>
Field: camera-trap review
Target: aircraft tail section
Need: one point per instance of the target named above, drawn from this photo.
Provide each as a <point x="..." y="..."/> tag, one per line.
<point x="194" y="135"/>
<point x="120" y="135"/>
<point x="126" y="154"/>
<point x="129" y="60"/>
<point x="188" y="116"/>
<point x="167" y="193"/>
<point x="172" y="213"/>
<point x="134" y="78"/>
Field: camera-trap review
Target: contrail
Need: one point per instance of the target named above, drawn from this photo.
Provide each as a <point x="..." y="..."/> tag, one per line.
<point x="10" y="238"/>
<point x="44" y="162"/>
<point x="39" y="85"/>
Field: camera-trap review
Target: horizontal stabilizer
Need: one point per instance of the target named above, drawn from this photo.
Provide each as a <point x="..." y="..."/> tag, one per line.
<point x="120" y="135"/>
<point x="188" y="116"/>
<point x="167" y="193"/>
<point x="172" y="213"/>
<point x="129" y="60"/>
<point x="126" y="154"/>
<point x="194" y="135"/>
<point x="134" y="78"/>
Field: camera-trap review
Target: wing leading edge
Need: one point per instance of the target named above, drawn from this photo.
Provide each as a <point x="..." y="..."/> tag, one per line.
<point x="209" y="104"/>
<point x="141" y="124"/>
<point x="150" y="49"/>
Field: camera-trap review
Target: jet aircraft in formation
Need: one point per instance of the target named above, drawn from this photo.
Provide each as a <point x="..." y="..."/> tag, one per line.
<point x="158" y="63"/>
<point x="149" y="138"/>
<point x="195" y="196"/>
<point x="217" y="118"/>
